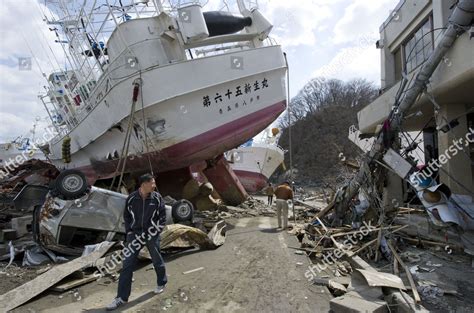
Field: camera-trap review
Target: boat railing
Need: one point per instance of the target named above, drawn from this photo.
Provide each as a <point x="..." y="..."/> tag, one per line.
<point x="94" y="24"/>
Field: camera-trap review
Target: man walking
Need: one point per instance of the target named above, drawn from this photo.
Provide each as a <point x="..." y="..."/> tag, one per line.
<point x="283" y="193"/>
<point x="145" y="218"/>
<point x="269" y="192"/>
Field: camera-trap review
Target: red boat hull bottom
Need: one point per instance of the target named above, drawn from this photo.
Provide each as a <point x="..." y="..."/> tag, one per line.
<point x="252" y="182"/>
<point x="226" y="182"/>
<point x="205" y="146"/>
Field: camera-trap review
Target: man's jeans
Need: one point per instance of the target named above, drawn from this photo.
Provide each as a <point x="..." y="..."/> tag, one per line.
<point x="130" y="262"/>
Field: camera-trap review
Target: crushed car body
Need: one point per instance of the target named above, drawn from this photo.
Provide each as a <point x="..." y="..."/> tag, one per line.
<point x="66" y="226"/>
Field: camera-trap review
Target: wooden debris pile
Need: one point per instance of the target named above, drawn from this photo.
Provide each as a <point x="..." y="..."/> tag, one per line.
<point x="395" y="280"/>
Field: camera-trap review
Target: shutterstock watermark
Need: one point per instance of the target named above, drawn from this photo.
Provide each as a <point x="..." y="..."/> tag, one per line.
<point x="14" y="162"/>
<point x="435" y="164"/>
<point x="24" y="63"/>
<point x="130" y="248"/>
<point x="331" y="257"/>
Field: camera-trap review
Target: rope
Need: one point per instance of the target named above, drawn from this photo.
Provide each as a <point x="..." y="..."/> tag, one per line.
<point x="144" y="130"/>
<point x="126" y="144"/>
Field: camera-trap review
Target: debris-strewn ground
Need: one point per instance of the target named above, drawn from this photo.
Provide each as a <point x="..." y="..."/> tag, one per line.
<point x="260" y="268"/>
<point x="441" y="270"/>
<point x="16" y="275"/>
<point x="445" y="280"/>
<point x="255" y="270"/>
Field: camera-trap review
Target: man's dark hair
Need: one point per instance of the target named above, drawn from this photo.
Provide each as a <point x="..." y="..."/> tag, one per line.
<point x="145" y="178"/>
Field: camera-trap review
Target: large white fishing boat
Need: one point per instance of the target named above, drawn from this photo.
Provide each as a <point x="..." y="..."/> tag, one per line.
<point x="161" y="86"/>
<point x="255" y="162"/>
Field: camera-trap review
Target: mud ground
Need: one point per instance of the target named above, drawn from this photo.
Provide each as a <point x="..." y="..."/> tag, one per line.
<point x="254" y="271"/>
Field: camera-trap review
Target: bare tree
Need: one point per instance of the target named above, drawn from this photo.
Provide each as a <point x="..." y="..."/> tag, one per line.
<point x="321" y="114"/>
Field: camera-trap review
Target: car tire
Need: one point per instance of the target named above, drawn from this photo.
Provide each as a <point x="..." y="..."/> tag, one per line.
<point x="182" y="211"/>
<point x="71" y="184"/>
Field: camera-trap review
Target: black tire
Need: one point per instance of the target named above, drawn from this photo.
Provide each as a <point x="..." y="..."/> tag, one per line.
<point x="71" y="184"/>
<point x="182" y="211"/>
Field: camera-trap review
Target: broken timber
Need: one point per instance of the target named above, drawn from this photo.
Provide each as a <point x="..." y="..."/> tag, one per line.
<point x="27" y="291"/>
<point x="407" y="271"/>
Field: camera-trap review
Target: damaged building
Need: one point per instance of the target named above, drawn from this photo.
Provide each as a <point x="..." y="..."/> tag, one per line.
<point x="444" y="114"/>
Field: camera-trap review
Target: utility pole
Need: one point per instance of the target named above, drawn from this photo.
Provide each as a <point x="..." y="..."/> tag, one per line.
<point x="460" y="20"/>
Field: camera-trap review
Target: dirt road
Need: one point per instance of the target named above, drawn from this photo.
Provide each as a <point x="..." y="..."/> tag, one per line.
<point x="254" y="271"/>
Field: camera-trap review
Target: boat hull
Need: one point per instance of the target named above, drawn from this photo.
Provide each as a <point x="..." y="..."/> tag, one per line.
<point x="252" y="181"/>
<point x="255" y="164"/>
<point x="175" y="127"/>
<point x="202" y="147"/>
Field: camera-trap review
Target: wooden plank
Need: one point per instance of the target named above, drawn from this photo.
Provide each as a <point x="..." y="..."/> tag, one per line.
<point x="326" y="210"/>
<point x="416" y="296"/>
<point x="380" y="279"/>
<point x="396" y="227"/>
<point x="61" y="287"/>
<point x="309" y="206"/>
<point x="413" y="285"/>
<point x="27" y="291"/>
<point x="358" y="263"/>
<point x="432" y="243"/>
<point x="367" y="244"/>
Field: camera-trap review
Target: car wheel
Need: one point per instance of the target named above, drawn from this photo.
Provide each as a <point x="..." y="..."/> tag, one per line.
<point x="182" y="211"/>
<point x="71" y="184"/>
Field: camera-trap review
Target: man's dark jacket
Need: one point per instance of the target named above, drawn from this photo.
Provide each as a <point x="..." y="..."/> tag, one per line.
<point x="141" y="214"/>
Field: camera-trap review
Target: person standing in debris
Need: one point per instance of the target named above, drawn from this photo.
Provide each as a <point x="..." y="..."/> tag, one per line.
<point x="283" y="193"/>
<point x="269" y="192"/>
<point x="145" y="218"/>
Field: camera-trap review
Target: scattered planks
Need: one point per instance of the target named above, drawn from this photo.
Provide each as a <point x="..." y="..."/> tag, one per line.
<point x="65" y="286"/>
<point x="416" y="296"/>
<point x="27" y="291"/>
<point x="432" y="243"/>
<point x="307" y="205"/>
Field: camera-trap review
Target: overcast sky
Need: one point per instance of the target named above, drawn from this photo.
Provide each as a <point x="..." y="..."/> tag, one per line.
<point x="330" y="38"/>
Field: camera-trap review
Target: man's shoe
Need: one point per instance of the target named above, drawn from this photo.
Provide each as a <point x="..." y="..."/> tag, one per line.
<point x="159" y="290"/>
<point x="115" y="304"/>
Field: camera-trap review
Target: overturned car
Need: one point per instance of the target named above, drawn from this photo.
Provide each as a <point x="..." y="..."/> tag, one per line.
<point x="66" y="226"/>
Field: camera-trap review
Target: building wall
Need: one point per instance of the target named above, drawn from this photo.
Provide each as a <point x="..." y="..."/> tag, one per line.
<point x="457" y="171"/>
<point x="402" y="21"/>
<point x="451" y="85"/>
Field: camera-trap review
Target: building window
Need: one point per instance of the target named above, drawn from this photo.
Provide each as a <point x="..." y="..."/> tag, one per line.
<point x="419" y="46"/>
<point x="397" y="56"/>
